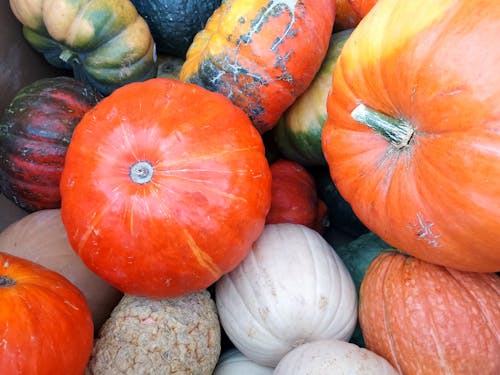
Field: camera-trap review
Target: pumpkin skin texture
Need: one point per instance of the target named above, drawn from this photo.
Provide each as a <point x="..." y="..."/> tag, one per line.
<point x="291" y="288"/>
<point x="233" y="362"/>
<point x="434" y="189"/>
<point x="104" y="42"/>
<point x="45" y="323"/>
<point x="35" y="131"/>
<point x="298" y="132"/>
<point x="326" y="357"/>
<point x="294" y="198"/>
<point x="261" y="54"/>
<point x="174" y="23"/>
<point x="345" y="16"/>
<point x="165" y="187"/>
<point x="362" y="7"/>
<point x="428" y="319"/>
<point x="41" y="238"/>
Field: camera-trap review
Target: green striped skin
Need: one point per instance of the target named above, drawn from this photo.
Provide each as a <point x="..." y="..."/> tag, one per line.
<point x="105" y="42"/>
<point x="298" y="133"/>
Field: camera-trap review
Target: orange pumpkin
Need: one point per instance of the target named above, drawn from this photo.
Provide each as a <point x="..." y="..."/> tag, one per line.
<point x="362" y="7"/>
<point x="345" y="15"/>
<point x="428" y="319"/>
<point x="261" y="54"/>
<point x="45" y="323"/>
<point x="413" y="129"/>
<point x="294" y="198"/>
<point x="165" y="187"/>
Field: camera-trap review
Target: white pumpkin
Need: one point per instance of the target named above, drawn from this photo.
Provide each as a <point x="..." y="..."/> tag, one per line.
<point x="292" y="288"/>
<point x="233" y="362"/>
<point x="333" y="357"/>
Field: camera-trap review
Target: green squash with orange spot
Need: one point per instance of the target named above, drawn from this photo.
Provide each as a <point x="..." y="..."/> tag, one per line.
<point x="106" y="43"/>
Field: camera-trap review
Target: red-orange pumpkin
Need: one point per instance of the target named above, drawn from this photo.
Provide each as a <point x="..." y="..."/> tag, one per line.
<point x="428" y="319"/>
<point x="412" y="137"/>
<point x="45" y="323"/>
<point x="362" y="7"/>
<point x="294" y="198"/>
<point x="165" y="187"/>
<point x="345" y="15"/>
<point x="261" y="54"/>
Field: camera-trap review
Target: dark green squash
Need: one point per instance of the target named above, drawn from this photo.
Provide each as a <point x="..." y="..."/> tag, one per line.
<point x="298" y="133"/>
<point x="35" y="131"/>
<point x="106" y="43"/>
<point x="340" y="213"/>
<point x="174" y="23"/>
<point x="357" y="255"/>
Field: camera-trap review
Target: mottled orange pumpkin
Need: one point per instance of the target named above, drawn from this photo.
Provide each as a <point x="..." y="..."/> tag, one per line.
<point x="428" y="319"/>
<point x="165" y="187"/>
<point x="412" y="137"/>
<point x="261" y="54"/>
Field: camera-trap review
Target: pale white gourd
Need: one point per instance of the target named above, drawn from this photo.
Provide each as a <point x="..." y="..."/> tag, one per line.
<point x="333" y="357"/>
<point x="233" y="362"/>
<point x="292" y="288"/>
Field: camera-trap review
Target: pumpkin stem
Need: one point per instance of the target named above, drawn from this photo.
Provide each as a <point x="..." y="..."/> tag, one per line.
<point x="397" y="131"/>
<point x="66" y="55"/>
<point x="6" y="281"/>
<point x="141" y="172"/>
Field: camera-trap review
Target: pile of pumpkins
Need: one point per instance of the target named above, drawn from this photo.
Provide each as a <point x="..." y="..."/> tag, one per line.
<point x="268" y="187"/>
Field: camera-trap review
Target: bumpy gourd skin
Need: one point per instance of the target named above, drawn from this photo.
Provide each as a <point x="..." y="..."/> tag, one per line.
<point x="105" y="42"/>
<point x="159" y="336"/>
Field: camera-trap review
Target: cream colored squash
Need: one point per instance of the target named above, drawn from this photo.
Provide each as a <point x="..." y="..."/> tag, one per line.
<point x="41" y="238"/>
<point x="233" y="362"/>
<point x="333" y="357"/>
<point x="292" y="288"/>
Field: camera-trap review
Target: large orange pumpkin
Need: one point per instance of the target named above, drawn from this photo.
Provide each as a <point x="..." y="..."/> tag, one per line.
<point x="261" y="54"/>
<point x="428" y="319"/>
<point x="412" y="137"/>
<point x="45" y="323"/>
<point x="164" y="188"/>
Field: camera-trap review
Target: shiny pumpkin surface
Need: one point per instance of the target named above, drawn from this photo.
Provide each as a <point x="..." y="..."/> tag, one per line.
<point x="165" y="187"/>
<point x="362" y="7"/>
<point x="294" y="198"/>
<point x="35" y="131"/>
<point x="428" y="319"/>
<point x="261" y="54"/>
<point x="45" y="324"/>
<point x="437" y="195"/>
<point x="105" y="42"/>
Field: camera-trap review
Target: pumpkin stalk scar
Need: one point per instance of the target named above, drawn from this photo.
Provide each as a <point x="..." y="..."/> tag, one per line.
<point x="423" y="230"/>
<point x="201" y="256"/>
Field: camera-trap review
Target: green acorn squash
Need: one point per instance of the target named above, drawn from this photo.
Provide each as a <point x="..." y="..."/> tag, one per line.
<point x="298" y="133"/>
<point x="174" y="23"/>
<point x="106" y="43"/>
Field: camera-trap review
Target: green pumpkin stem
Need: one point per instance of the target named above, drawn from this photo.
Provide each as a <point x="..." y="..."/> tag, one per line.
<point x="397" y="131"/>
<point x="66" y="55"/>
